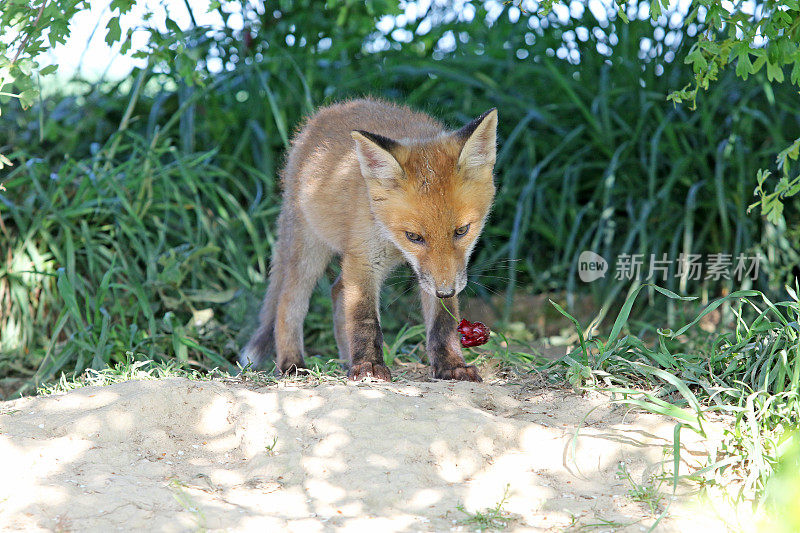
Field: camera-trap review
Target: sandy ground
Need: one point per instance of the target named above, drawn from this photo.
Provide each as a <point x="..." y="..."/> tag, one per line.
<point x="180" y="455"/>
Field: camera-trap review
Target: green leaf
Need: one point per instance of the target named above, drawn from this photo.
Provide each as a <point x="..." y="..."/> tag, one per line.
<point x="655" y="9"/>
<point x="28" y="98"/>
<point x="173" y="27"/>
<point x="26" y="66"/>
<point x="711" y="47"/>
<point x="624" y="313"/>
<point x="795" y="75"/>
<point x="49" y="69"/>
<point x="744" y="67"/>
<point x="67" y="292"/>
<point x="681" y="387"/>
<point x="696" y="59"/>
<point x="774" y="211"/>
<point x="791" y="152"/>
<point x="58" y="31"/>
<point x="577" y="326"/>
<point x="126" y="44"/>
<point x="713" y="305"/>
<point x="661" y="408"/>
<point x="774" y="72"/>
<point x="123" y="5"/>
<point x="114" y="31"/>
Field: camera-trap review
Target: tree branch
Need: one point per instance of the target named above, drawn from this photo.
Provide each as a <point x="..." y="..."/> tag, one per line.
<point x="28" y="35"/>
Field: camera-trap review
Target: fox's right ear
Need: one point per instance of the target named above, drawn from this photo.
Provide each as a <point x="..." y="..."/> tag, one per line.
<point x="375" y="156"/>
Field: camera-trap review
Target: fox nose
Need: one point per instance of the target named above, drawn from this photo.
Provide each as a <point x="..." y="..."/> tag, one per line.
<point x="445" y="294"/>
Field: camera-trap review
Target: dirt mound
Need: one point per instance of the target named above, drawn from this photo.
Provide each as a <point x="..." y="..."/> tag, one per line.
<point x="181" y="455"/>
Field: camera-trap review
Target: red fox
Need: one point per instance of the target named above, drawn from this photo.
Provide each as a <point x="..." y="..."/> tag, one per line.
<point x="376" y="183"/>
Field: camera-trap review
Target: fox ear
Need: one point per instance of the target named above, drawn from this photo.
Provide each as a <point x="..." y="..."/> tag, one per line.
<point x="375" y="156"/>
<point x="480" y="141"/>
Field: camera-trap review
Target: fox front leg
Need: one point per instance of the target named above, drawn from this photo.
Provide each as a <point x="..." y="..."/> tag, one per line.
<point x="360" y="284"/>
<point x="443" y="345"/>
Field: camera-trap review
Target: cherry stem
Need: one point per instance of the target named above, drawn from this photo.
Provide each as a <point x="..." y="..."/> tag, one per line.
<point x="448" y="311"/>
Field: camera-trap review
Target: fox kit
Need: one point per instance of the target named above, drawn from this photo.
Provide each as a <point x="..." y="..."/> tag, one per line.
<point x="376" y="184"/>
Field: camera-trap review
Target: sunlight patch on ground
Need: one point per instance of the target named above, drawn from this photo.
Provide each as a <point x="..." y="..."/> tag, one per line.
<point x="287" y="456"/>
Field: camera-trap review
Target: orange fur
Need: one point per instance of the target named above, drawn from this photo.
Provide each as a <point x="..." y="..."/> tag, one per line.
<point x="363" y="177"/>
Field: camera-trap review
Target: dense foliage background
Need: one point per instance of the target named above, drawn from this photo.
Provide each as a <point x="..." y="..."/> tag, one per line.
<point x="139" y="214"/>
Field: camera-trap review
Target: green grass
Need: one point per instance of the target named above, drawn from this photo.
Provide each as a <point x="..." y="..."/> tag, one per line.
<point x="647" y="493"/>
<point x="750" y="373"/>
<point x="493" y="518"/>
<point x="579" y="524"/>
<point x="270" y="448"/>
<point x="127" y="371"/>
<point x="100" y="268"/>
<point x="162" y="212"/>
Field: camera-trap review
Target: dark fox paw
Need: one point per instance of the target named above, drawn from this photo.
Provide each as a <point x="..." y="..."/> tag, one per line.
<point x="369" y="370"/>
<point x="289" y="369"/>
<point x="461" y="373"/>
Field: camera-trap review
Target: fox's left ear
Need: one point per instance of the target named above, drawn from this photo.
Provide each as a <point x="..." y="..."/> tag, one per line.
<point x="480" y="141"/>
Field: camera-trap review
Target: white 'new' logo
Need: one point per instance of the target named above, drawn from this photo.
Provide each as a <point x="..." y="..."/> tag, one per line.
<point x="591" y="266"/>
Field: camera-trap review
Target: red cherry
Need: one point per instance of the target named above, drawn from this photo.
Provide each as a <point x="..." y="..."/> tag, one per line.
<point x="473" y="333"/>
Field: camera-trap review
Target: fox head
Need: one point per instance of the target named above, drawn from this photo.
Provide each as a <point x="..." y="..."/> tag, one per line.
<point x="431" y="197"/>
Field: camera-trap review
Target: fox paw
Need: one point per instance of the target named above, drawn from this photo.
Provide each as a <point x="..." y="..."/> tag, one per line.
<point x="369" y="370"/>
<point x="287" y="369"/>
<point x="461" y="373"/>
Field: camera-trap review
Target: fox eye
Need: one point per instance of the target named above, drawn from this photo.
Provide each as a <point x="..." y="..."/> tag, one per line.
<point x="460" y="232"/>
<point x="414" y="237"/>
